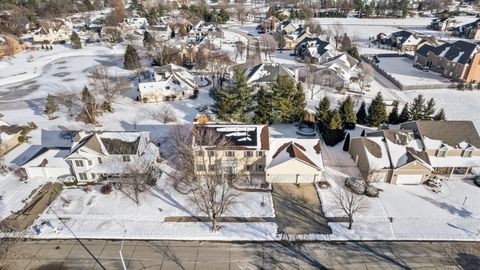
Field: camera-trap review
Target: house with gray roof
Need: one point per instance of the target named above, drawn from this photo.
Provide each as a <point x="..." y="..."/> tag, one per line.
<point x="469" y="30"/>
<point x="266" y="73"/>
<point x="315" y="50"/>
<point x="97" y="156"/>
<point x="458" y="60"/>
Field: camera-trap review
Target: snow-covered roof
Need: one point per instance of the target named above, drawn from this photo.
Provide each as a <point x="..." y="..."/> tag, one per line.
<point x="238" y="136"/>
<point x="49" y="158"/>
<point x="304" y="150"/>
<point x="268" y="72"/>
<point x="455" y="161"/>
<point x="377" y="155"/>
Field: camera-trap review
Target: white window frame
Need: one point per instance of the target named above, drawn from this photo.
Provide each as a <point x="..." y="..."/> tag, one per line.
<point x="79" y="163"/>
<point x="83" y="176"/>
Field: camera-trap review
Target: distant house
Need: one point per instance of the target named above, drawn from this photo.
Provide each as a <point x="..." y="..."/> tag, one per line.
<point x="458" y="61"/>
<point x="270" y="24"/>
<point x="315" y="50"/>
<point x="49" y="162"/>
<point x="294" y="161"/>
<point x="335" y="72"/>
<point x="51" y="33"/>
<point x="97" y="156"/>
<point x="469" y="30"/>
<point x="417" y="150"/>
<point x="266" y="73"/>
<point x="443" y="24"/>
<point x="160" y="31"/>
<point x="287" y="27"/>
<point x="244" y="153"/>
<point x="203" y="28"/>
<point x="9" y="135"/>
<point x="136" y="23"/>
<point x="404" y="40"/>
<point x="295" y="37"/>
<point x="170" y="82"/>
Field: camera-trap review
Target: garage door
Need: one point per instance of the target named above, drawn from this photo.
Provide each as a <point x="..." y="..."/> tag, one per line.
<point x="410" y="179"/>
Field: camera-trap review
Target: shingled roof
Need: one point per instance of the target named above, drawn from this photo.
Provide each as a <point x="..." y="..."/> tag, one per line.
<point x="296" y="151"/>
<point x="267" y="72"/>
<point x="459" y="51"/>
<point x="451" y="133"/>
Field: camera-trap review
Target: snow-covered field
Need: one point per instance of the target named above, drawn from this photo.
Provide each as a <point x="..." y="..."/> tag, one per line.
<point x="91" y="214"/>
<point x="401" y="68"/>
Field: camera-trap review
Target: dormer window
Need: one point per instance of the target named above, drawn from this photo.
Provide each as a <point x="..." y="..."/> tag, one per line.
<point x="468" y="152"/>
<point x="442" y="152"/>
<point x="126" y="158"/>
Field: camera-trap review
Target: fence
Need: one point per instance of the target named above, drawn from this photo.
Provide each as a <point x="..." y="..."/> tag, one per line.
<point x="397" y="83"/>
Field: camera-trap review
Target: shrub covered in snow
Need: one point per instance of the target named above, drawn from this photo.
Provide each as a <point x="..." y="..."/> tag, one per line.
<point x="476" y="180"/>
<point x="323" y="185"/>
<point x="106" y="189"/>
<point x="371" y="191"/>
<point x="357" y="185"/>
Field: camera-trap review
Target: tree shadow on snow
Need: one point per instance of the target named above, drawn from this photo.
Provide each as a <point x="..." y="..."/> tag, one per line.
<point x="461" y="212"/>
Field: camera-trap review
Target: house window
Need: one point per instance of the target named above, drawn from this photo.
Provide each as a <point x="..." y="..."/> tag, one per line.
<point x="200" y="167"/>
<point x="211" y="167"/>
<point x="126" y="158"/>
<point x="442" y="153"/>
<point x="211" y="153"/>
<point x="248" y="153"/>
<point x="90" y="162"/>
<point x="229" y="154"/>
<point x="93" y="176"/>
<point x="467" y="153"/>
<point x="259" y="167"/>
<point x="83" y="176"/>
<point x="248" y="167"/>
<point x="259" y="153"/>
<point x="79" y="163"/>
<point x="200" y="153"/>
<point x="100" y="160"/>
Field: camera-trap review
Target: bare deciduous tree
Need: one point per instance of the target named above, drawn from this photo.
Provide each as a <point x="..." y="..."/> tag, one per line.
<point x="350" y="203"/>
<point x="138" y="177"/>
<point x="110" y="87"/>
<point x="67" y="100"/>
<point x="312" y="80"/>
<point x="206" y="183"/>
<point x="268" y="44"/>
<point x="337" y="32"/>
<point x="117" y="14"/>
<point x="217" y="65"/>
<point x="164" y="114"/>
<point x="365" y="76"/>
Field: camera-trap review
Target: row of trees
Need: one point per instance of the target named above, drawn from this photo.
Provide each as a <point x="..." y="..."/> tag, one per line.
<point x="283" y="101"/>
<point x="332" y="123"/>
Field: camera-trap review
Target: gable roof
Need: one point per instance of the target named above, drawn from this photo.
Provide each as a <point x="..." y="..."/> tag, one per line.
<point x="237" y="136"/>
<point x="268" y="72"/>
<point x="459" y="51"/>
<point x="451" y="133"/>
<point x="111" y="142"/>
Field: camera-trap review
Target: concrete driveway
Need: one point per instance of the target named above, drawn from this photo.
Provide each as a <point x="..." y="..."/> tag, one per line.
<point x="298" y="209"/>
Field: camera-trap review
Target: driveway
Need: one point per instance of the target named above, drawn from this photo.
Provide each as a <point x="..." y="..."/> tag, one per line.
<point x="298" y="209"/>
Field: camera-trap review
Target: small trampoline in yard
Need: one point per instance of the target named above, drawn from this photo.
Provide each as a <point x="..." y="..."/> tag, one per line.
<point x="307" y="126"/>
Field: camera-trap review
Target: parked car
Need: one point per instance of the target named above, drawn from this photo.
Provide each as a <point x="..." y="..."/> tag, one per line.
<point x="426" y="69"/>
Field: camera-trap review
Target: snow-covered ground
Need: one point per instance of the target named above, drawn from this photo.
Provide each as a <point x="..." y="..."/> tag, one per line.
<point x="91" y="214"/>
<point x="401" y="68"/>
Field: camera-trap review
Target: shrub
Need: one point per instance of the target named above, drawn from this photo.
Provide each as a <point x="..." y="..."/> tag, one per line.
<point x="323" y="185"/>
<point x="70" y="183"/>
<point x="371" y="191"/>
<point x="32" y="125"/>
<point x="356" y="185"/>
<point x="106" y="189"/>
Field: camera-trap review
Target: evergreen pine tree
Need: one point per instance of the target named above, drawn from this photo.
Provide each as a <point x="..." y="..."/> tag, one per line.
<point x="299" y="103"/>
<point x="282" y="104"/>
<point x="86" y="96"/>
<point x="405" y="114"/>
<point x="440" y="115"/>
<point x="323" y="113"/>
<point x="347" y="113"/>
<point x="346" y="43"/>
<point x="263" y="110"/>
<point x="335" y="121"/>
<point x="50" y="107"/>
<point x="377" y="112"/>
<point x="346" y="144"/>
<point x="148" y="40"/>
<point x="131" y="59"/>
<point x="353" y="52"/>
<point x="223" y="104"/>
<point x="429" y="110"/>
<point x="417" y="107"/>
<point x="75" y="41"/>
<point x="242" y="95"/>
<point x="362" y="116"/>
<point x="393" y="116"/>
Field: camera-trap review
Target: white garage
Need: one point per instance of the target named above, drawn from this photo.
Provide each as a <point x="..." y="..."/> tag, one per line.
<point x="48" y="163"/>
<point x="296" y="161"/>
<point x="409" y="179"/>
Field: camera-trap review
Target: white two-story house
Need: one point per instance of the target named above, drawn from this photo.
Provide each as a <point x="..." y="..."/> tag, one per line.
<point x="97" y="156"/>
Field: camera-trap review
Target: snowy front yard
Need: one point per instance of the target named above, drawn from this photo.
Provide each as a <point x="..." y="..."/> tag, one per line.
<point x="91" y="214"/>
<point x="409" y="212"/>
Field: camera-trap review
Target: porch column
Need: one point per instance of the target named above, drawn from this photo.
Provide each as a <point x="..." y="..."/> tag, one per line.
<point x="468" y="170"/>
<point x="451" y="173"/>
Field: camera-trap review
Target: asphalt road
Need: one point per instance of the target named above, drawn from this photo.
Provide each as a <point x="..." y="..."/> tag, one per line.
<point x="69" y="254"/>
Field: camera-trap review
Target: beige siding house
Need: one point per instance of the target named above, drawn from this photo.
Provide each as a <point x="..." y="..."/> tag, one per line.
<point x="9" y="135"/>
<point x="294" y="161"/>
